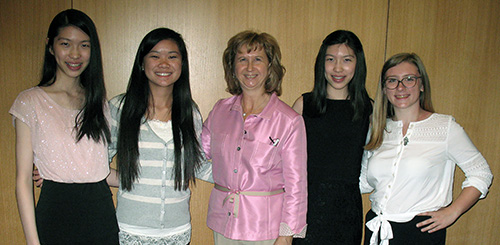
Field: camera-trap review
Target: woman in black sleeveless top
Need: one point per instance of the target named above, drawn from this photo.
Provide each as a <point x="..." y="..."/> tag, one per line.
<point x="336" y="114"/>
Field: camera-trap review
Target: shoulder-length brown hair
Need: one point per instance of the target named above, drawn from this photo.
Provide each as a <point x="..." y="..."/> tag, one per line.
<point x="383" y="109"/>
<point x="253" y="41"/>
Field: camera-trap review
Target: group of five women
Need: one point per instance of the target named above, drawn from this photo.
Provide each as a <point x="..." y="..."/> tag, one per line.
<point x="278" y="172"/>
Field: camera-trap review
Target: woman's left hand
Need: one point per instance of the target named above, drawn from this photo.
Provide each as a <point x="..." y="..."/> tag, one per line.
<point x="444" y="217"/>
<point x="438" y="220"/>
<point x="283" y="240"/>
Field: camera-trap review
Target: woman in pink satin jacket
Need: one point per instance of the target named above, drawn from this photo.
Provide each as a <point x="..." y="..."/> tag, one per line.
<point x="257" y="145"/>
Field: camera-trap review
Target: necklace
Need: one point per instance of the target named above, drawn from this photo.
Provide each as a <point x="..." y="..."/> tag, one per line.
<point x="257" y="108"/>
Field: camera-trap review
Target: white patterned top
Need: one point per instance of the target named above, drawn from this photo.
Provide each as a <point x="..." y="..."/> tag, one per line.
<point x="413" y="173"/>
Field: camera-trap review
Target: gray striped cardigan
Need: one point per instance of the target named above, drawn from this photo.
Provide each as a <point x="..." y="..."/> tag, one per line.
<point x="153" y="202"/>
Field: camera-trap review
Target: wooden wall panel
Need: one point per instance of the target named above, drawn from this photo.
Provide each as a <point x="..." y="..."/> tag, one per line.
<point x="206" y="26"/>
<point x="23" y="28"/>
<point x="459" y="42"/>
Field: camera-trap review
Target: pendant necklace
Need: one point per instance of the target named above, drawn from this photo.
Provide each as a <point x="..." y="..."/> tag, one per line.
<point x="262" y="103"/>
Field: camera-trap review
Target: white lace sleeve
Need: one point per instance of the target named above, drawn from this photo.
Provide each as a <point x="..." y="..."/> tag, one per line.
<point x="463" y="152"/>
<point x="285" y="230"/>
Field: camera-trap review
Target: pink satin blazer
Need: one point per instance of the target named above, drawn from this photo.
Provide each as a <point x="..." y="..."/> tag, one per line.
<point x="252" y="161"/>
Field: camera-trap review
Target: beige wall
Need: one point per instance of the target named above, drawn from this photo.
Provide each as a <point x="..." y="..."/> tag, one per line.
<point x="459" y="42"/>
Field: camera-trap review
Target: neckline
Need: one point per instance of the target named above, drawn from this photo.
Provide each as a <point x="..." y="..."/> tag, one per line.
<point x="266" y="113"/>
<point x="47" y="96"/>
<point x="340" y="100"/>
<point x="159" y="121"/>
<point x="258" y="109"/>
<point x="415" y="122"/>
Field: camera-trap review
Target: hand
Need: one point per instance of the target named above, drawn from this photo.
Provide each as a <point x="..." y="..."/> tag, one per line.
<point x="438" y="220"/>
<point x="444" y="217"/>
<point x="37" y="179"/>
<point x="283" y="240"/>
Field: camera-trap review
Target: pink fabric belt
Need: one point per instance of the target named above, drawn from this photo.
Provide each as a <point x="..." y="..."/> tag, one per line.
<point x="234" y="196"/>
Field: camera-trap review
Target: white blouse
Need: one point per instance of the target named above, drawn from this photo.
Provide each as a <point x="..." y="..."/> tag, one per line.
<point x="413" y="173"/>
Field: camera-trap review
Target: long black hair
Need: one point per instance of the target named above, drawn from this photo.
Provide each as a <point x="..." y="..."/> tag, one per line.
<point x="90" y="121"/>
<point x="187" y="151"/>
<point x="356" y="88"/>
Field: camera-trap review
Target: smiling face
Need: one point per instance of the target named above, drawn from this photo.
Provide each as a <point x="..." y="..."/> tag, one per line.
<point x="163" y="64"/>
<point x="251" y="69"/>
<point x="340" y="66"/>
<point x="71" y="50"/>
<point x="402" y="97"/>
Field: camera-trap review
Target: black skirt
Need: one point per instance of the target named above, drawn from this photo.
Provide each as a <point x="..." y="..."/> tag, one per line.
<point x="76" y="214"/>
<point x="407" y="233"/>
<point x="334" y="214"/>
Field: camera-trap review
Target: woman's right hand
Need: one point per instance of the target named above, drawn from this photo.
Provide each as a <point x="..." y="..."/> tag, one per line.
<point x="37" y="178"/>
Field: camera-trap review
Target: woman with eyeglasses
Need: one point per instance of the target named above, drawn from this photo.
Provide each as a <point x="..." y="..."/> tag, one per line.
<point x="410" y="160"/>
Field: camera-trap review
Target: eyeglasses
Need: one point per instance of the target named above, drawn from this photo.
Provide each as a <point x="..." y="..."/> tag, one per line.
<point x="408" y="82"/>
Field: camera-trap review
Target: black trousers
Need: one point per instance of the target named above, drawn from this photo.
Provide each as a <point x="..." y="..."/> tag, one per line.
<point x="407" y="233"/>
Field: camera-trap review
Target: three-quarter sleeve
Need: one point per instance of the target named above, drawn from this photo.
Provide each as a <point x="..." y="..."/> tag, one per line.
<point x="462" y="151"/>
<point x="294" y="157"/>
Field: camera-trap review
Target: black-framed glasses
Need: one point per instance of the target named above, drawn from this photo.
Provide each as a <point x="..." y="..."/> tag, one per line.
<point x="408" y="82"/>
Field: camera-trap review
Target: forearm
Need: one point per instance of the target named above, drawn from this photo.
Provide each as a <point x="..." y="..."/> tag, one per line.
<point x="283" y="240"/>
<point x="467" y="198"/>
<point x="24" y="187"/>
<point x="26" y="207"/>
<point x="112" y="178"/>
<point x="444" y="217"/>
